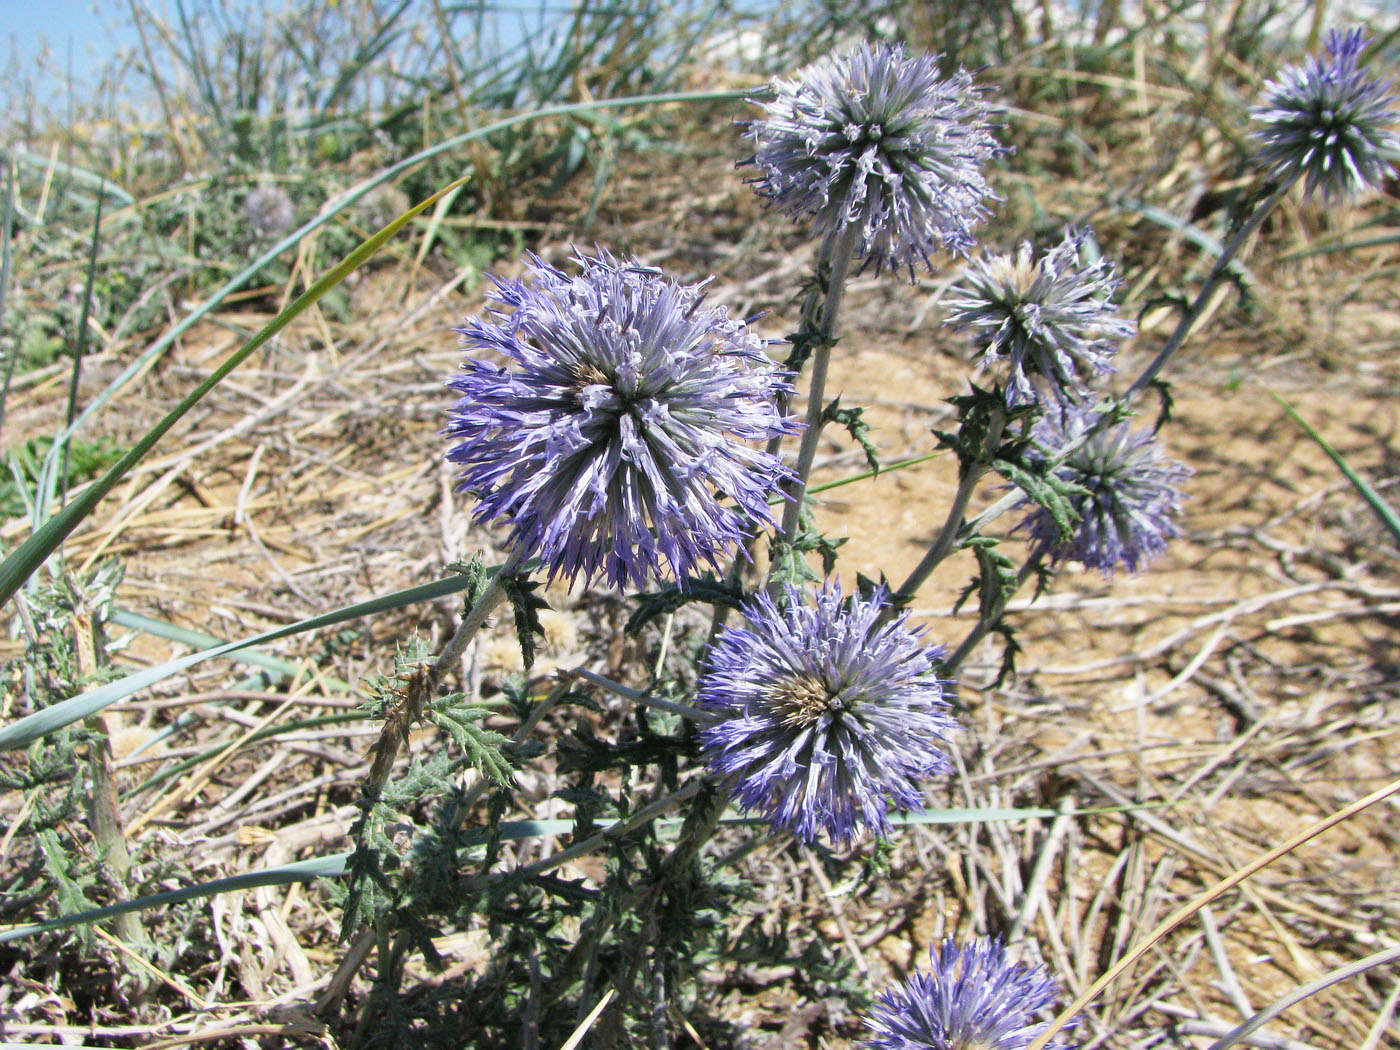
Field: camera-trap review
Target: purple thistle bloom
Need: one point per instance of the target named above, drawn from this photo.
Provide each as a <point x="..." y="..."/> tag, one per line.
<point x="1329" y="121"/>
<point x="1051" y="318"/>
<point x="971" y="998"/>
<point x="875" y="139"/>
<point x="1129" y="498"/>
<point x="833" y="714"/>
<point x="620" y="425"/>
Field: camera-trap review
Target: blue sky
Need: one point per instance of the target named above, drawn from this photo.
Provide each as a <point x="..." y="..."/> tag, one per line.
<point x="24" y="22"/>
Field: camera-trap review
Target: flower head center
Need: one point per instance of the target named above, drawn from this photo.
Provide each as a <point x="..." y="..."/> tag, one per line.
<point x="586" y="374"/>
<point x="803" y="699"/>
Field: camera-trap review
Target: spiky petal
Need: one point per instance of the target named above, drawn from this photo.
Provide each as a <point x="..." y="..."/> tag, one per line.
<point x="1329" y="121"/>
<point x="876" y="139"/>
<point x="833" y="714"/>
<point x="971" y="998"/>
<point x="1126" y="493"/>
<point x="1052" y="318"/>
<point x="617" y="441"/>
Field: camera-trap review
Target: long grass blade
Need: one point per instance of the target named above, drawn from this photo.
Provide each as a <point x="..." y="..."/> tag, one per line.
<point x="199" y="640"/>
<point x="1383" y="510"/>
<point x="329" y="867"/>
<point x="24" y="731"/>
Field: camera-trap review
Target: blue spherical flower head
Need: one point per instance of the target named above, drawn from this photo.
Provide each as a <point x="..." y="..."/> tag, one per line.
<point x="1129" y="493"/>
<point x="880" y="141"/>
<point x="616" y="441"/>
<point x="1330" y="122"/>
<point x="971" y="998"/>
<point x="833" y="713"/>
<point x="1052" y="318"/>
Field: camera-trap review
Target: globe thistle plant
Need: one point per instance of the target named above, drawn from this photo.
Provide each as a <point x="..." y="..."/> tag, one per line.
<point x="1329" y="121"/>
<point x="971" y="998"/>
<point x="834" y="713"/>
<point x="1052" y="318"/>
<point x="879" y="143"/>
<point x="615" y="442"/>
<point x="1124" y="498"/>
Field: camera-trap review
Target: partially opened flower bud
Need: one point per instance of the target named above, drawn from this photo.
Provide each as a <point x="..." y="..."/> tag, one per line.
<point x="1052" y="318"/>
<point x="878" y="140"/>
<point x="1329" y="121"/>
<point x="1128" y="493"/>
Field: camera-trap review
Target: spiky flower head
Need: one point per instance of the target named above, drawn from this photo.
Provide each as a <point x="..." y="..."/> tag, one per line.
<point x="1329" y="121"/>
<point x="971" y="998"/>
<point x="834" y="713"/>
<point x="1052" y="318"/>
<point x="878" y="141"/>
<point x="1125" y="492"/>
<point x="621" y="423"/>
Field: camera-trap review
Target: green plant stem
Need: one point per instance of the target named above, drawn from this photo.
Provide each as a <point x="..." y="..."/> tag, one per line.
<point x="422" y="684"/>
<point x="842" y="256"/>
<point x="695" y="714"/>
<point x="1203" y="297"/>
<point x="988" y="620"/>
<point x="484" y="605"/>
<point x="645" y="815"/>
<point x="953" y="531"/>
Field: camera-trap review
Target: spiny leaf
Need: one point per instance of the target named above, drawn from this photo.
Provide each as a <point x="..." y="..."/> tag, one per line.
<point x="484" y="747"/>
<point x="527" y="605"/>
<point x="1046" y="488"/>
<point x="854" y="421"/>
<point x="705" y="588"/>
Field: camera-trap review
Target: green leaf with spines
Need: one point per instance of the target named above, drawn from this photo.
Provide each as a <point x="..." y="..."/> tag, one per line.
<point x="853" y="419"/>
<point x="526" y="604"/>
<point x="483" y="747"/>
<point x="1046" y="488"/>
<point x="787" y="561"/>
<point x="478" y="579"/>
<point x="978" y="412"/>
<point x="706" y="588"/>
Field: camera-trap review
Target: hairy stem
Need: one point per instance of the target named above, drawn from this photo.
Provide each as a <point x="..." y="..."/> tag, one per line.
<point x="953" y="531"/>
<point x="842" y="256"/>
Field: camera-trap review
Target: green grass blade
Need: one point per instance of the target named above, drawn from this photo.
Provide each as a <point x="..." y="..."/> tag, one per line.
<point x="329" y="867"/>
<point x="80" y="341"/>
<point x="32" y="553"/>
<point x="24" y="731"/>
<point x="99" y="184"/>
<point x="1384" y="511"/>
<point x="199" y="640"/>
<point x="1193" y="233"/>
<point x="6" y="236"/>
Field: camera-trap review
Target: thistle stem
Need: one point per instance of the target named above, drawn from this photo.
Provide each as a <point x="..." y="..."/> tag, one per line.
<point x="392" y="737"/>
<point x="695" y="714"/>
<point x="991" y="618"/>
<point x="645" y="815"/>
<point x="953" y="530"/>
<point x="1198" y="305"/>
<point x="484" y="605"/>
<point x="842" y="256"/>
